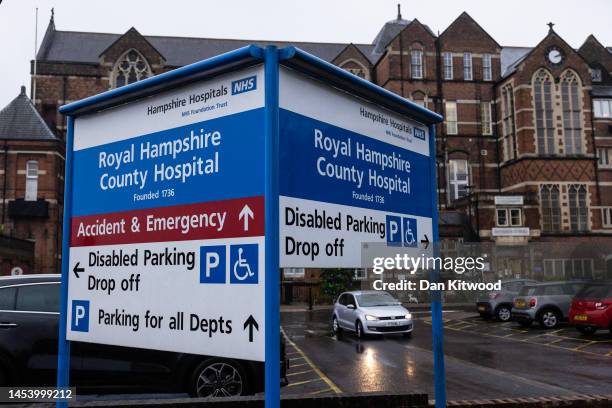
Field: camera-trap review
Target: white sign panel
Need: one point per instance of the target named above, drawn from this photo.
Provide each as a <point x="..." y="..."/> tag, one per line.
<point x="351" y="173"/>
<point x="167" y="243"/>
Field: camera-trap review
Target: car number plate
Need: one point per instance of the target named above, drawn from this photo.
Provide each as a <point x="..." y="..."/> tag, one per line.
<point x="581" y="317"/>
<point x="481" y="308"/>
<point x="393" y="323"/>
<point x="519" y="303"/>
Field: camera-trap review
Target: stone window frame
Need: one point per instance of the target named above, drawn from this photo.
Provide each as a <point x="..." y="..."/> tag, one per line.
<point x="417" y="69"/>
<point x="570" y="86"/>
<point x="468" y="66"/>
<point x="543" y="94"/>
<point x="452" y="126"/>
<point x="486" y="119"/>
<point x="31" y="184"/>
<point x="119" y="68"/>
<point x="448" y="65"/>
<point x="454" y="182"/>
<point x="509" y="141"/>
<point x="578" y="207"/>
<point x="550" y="207"/>
<point x="487" y="67"/>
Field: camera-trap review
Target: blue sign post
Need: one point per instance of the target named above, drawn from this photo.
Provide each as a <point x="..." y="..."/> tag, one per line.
<point x="198" y="161"/>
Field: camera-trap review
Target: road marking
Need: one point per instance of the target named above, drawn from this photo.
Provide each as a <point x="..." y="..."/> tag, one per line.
<point x="304" y="382"/>
<point x="296" y="358"/>
<point x="527" y="340"/>
<point x="300" y="372"/>
<point x="323" y="377"/>
<point x="298" y="365"/>
<point x="320" y="391"/>
<point x="584" y="345"/>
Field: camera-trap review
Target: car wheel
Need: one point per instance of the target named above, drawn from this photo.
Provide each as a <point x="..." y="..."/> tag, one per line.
<point x="503" y="314"/>
<point x="549" y="319"/>
<point x="218" y="378"/>
<point x="525" y="323"/>
<point x="359" y="330"/>
<point x="336" y="326"/>
<point x="586" y="330"/>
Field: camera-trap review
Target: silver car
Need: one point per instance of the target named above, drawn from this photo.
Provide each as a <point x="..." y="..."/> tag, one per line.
<point x="547" y="303"/>
<point x="370" y="312"/>
<point x="498" y="304"/>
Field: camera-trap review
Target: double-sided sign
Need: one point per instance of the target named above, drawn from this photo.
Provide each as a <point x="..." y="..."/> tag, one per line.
<point x="168" y="199"/>
<point x="167" y="241"/>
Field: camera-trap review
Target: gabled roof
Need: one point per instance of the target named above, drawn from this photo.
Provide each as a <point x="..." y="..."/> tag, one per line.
<point x="20" y="120"/>
<point x="68" y="46"/>
<point x="135" y="32"/>
<point x="467" y="16"/>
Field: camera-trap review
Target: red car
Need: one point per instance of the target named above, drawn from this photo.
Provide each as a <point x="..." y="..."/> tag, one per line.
<point x="591" y="308"/>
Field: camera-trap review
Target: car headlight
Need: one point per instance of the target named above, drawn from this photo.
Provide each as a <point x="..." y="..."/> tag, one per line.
<point x="369" y="317"/>
<point x="408" y="316"/>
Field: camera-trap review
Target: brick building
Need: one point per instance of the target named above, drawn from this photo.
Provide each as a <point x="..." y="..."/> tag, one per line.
<point x="31" y="177"/>
<point x="524" y="154"/>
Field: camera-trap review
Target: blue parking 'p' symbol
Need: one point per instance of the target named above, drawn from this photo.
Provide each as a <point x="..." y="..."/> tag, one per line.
<point x="80" y="316"/>
<point x="212" y="264"/>
<point x="394" y="230"/>
<point x="244" y="263"/>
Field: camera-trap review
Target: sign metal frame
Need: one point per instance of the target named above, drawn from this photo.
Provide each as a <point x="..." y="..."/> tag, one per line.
<point x="272" y="58"/>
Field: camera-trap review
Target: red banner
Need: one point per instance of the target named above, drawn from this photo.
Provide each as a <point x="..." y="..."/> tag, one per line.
<point x="243" y="217"/>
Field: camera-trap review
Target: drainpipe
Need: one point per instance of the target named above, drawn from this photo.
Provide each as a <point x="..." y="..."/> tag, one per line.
<point x="401" y="45"/>
<point x="4" y="183"/>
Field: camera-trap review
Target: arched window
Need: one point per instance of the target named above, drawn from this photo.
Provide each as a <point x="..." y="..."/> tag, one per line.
<point x="130" y="67"/>
<point x="509" y="136"/>
<point x="579" y="213"/>
<point x="355" y="68"/>
<point x="543" y="104"/>
<point x="420" y="98"/>
<point x="572" y="123"/>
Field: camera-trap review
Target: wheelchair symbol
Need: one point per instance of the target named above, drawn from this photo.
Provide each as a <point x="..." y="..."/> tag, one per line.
<point x="409" y="237"/>
<point x="241" y="263"/>
<point x="244" y="263"/>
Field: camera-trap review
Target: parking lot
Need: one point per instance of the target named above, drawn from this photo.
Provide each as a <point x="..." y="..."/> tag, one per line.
<point x="484" y="359"/>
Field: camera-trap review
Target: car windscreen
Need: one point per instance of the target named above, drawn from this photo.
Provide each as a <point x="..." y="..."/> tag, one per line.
<point x="376" y="299"/>
<point x="527" y="291"/>
<point x="595" y="292"/>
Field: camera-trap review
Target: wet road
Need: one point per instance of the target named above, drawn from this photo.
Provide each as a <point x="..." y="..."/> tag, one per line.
<point x="484" y="359"/>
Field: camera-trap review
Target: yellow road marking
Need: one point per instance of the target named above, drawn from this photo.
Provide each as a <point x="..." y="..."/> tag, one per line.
<point x="304" y="382"/>
<point x="298" y="365"/>
<point x="321" y="391"/>
<point x="329" y="382"/>
<point x="299" y="372"/>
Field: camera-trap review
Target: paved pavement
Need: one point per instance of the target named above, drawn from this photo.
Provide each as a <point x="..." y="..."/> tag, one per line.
<point x="484" y="359"/>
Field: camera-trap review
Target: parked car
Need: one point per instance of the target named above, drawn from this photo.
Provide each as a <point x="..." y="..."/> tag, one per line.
<point x="370" y="312"/>
<point x="29" y="317"/>
<point x="547" y="303"/>
<point x="591" y="308"/>
<point x="498" y="304"/>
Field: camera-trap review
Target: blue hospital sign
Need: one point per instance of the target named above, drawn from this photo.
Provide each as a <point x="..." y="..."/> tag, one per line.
<point x="351" y="173"/>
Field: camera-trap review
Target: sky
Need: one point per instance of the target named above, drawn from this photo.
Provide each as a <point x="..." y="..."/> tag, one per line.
<point x="518" y="22"/>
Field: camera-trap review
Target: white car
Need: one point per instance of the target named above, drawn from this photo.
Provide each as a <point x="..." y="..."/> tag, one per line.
<point x="370" y="312"/>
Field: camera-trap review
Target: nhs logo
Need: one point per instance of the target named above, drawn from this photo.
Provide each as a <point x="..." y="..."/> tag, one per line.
<point x="244" y="85"/>
<point x="401" y="231"/>
<point x="419" y="133"/>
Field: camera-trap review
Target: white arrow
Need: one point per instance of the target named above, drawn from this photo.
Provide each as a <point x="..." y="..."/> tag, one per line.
<point x="246" y="213"/>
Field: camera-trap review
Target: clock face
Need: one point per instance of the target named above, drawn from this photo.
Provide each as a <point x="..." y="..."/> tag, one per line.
<point x="554" y="56"/>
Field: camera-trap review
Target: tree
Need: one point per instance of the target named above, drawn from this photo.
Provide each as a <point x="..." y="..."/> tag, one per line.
<point x="335" y="281"/>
